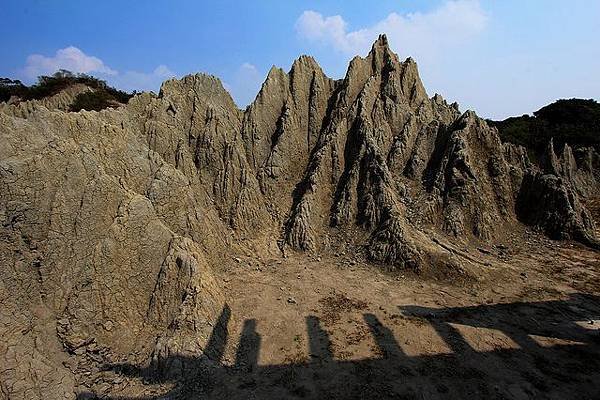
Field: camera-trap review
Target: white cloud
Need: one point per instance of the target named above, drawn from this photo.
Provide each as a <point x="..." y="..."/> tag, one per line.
<point x="245" y="84"/>
<point x="69" y="58"/>
<point x="330" y="30"/>
<point x="73" y="59"/>
<point x="421" y="35"/>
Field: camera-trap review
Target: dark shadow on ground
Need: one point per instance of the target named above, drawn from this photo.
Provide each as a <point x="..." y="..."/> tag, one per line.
<point x="532" y="371"/>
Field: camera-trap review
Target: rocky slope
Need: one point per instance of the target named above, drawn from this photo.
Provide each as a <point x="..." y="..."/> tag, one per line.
<point x="115" y="223"/>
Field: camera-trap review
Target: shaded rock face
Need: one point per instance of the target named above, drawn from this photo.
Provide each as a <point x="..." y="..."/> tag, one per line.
<point x="114" y="223"/>
<point x="551" y="195"/>
<point x="547" y="202"/>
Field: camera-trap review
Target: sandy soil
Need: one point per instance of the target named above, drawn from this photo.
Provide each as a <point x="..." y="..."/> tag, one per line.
<point x="336" y="327"/>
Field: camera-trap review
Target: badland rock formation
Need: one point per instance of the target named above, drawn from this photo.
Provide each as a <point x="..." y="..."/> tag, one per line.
<point x="114" y="223"/>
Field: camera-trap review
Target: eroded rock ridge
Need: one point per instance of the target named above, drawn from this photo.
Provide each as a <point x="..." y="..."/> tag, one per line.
<point x="115" y="223"/>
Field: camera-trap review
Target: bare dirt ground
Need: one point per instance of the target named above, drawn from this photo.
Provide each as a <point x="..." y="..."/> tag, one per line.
<point x="339" y="328"/>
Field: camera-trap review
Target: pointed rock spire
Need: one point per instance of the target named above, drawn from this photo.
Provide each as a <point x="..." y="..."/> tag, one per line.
<point x="382" y="41"/>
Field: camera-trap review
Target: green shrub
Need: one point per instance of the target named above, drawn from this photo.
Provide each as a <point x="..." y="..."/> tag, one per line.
<point x="102" y="96"/>
<point x="93" y="101"/>
<point x="573" y="121"/>
<point x="9" y="88"/>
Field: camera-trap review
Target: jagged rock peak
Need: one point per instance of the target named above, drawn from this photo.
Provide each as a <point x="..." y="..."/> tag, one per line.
<point x="274" y="72"/>
<point x="550" y="163"/>
<point x="305" y="61"/>
<point x="381" y="56"/>
<point x="198" y="79"/>
<point x="207" y="87"/>
<point x="382" y="41"/>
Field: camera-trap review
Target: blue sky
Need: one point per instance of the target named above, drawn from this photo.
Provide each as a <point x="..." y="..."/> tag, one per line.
<point x="499" y="58"/>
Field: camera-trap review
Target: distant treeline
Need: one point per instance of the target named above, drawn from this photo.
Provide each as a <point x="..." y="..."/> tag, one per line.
<point x="573" y="121"/>
<point x="101" y="97"/>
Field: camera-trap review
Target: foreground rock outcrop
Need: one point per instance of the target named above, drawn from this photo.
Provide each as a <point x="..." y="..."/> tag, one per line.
<point x="115" y="223"/>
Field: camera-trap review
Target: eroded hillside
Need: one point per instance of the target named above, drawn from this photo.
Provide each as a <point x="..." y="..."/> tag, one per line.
<point x="119" y="225"/>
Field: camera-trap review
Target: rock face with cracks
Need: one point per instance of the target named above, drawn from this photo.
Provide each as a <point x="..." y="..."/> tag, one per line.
<point x="114" y="223"/>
